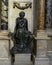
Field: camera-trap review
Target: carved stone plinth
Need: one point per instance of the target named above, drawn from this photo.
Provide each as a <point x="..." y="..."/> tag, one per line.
<point x="4" y="50"/>
<point x="22" y="59"/>
<point x="42" y="57"/>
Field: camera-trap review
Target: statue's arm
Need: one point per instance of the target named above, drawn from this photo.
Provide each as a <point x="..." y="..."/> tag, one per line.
<point x="16" y="27"/>
<point x="26" y="24"/>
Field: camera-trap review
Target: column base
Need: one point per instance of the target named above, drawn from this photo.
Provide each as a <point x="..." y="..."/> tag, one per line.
<point x="42" y="61"/>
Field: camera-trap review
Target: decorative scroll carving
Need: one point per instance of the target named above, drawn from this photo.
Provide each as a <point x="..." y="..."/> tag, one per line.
<point x="25" y="5"/>
<point x="48" y="22"/>
<point x="41" y="14"/>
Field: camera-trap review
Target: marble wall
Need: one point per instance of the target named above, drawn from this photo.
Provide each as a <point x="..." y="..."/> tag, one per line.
<point x="14" y="13"/>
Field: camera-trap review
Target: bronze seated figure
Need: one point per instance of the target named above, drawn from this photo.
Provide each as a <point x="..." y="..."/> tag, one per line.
<point x="22" y="38"/>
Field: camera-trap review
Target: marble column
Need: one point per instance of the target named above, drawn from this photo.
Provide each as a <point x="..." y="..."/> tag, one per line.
<point x="41" y="14"/>
<point x="42" y="37"/>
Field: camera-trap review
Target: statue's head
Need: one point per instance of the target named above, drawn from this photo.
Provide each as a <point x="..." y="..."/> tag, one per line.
<point x="22" y="14"/>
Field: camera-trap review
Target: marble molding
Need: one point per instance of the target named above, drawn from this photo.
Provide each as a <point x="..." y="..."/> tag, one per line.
<point x="42" y="57"/>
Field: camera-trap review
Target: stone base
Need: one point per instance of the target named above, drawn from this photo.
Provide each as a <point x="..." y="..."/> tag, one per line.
<point x="42" y="61"/>
<point x="23" y="59"/>
<point x="5" y="61"/>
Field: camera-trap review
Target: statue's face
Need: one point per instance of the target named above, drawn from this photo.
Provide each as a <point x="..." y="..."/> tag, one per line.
<point x="22" y="14"/>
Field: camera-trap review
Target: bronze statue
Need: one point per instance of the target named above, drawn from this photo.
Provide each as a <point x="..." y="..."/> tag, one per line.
<point x="23" y="39"/>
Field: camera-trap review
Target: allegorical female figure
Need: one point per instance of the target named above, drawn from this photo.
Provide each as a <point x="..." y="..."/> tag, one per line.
<point x="23" y="39"/>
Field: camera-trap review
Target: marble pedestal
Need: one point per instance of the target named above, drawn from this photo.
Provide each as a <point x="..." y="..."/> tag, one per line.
<point x="42" y="57"/>
<point x="49" y="32"/>
<point x="23" y="59"/>
<point x="4" y="50"/>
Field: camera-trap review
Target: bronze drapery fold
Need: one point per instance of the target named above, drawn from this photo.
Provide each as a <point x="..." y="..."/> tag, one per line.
<point x="41" y="14"/>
